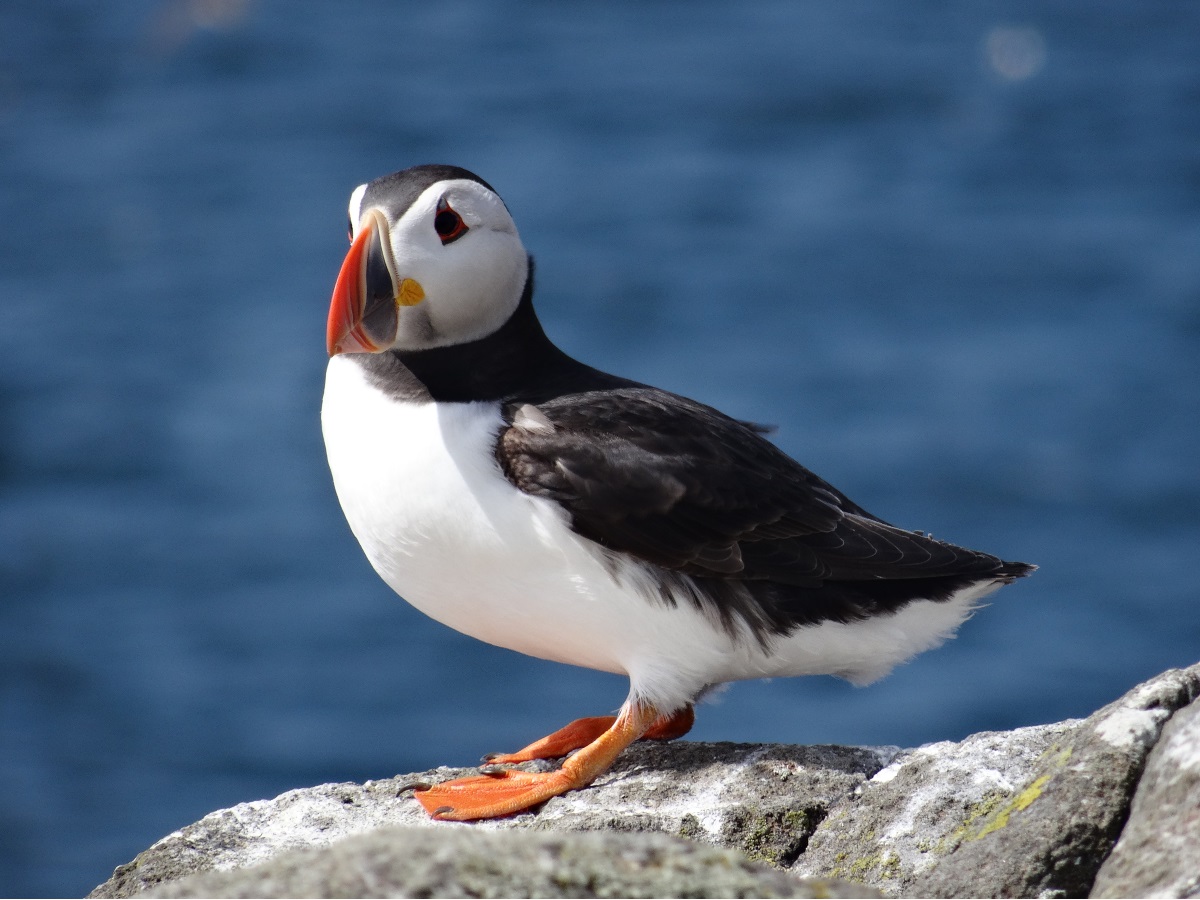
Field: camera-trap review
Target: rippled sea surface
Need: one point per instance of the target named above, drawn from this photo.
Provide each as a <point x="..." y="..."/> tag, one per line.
<point x="951" y="251"/>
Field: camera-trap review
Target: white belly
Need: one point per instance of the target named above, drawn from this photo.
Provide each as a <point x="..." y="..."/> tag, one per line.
<point x="424" y="495"/>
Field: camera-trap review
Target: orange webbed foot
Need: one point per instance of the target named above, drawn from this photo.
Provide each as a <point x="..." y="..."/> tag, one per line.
<point x="669" y="727"/>
<point x="490" y="796"/>
<point x="506" y="791"/>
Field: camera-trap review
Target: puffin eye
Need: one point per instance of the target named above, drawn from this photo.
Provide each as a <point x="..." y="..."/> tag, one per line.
<point x="448" y="223"/>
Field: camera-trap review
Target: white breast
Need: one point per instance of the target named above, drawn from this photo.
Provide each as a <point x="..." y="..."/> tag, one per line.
<point x="424" y="495"/>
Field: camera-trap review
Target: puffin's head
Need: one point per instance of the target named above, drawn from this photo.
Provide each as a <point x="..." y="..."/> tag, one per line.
<point x="435" y="259"/>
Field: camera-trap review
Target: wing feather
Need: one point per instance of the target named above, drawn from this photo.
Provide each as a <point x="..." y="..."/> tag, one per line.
<point x="681" y="485"/>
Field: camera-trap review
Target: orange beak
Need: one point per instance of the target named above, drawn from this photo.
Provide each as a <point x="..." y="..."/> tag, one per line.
<point x="364" y="314"/>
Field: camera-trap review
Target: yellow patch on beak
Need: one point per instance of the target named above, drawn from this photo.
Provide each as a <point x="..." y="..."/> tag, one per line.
<point x="411" y="293"/>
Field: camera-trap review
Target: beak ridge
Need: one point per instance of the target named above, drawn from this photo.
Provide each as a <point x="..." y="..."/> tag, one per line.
<point x="363" y="315"/>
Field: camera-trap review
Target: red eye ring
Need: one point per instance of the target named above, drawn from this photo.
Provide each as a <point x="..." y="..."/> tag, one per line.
<point x="448" y="223"/>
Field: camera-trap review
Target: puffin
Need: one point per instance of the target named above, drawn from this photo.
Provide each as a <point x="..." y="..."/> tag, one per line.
<point x="528" y="500"/>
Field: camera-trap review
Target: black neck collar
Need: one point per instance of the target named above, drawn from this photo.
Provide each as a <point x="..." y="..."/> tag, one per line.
<point x="518" y="361"/>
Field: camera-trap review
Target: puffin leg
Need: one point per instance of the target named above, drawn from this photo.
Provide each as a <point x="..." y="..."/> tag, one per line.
<point x="671" y="726"/>
<point x="508" y="791"/>
<point x="575" y="736"/>
<point x="582" y="732"/>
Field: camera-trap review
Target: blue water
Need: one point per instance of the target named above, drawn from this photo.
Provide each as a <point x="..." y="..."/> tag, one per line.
<point x="951" y="250"/>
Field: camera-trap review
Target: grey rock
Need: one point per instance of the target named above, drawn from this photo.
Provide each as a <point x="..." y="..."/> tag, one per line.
<point x="1049" y="836"/>
<point x="1032" y="812"/>
<point x="467" y="862"/>
<point x="1158" y="854"/>
<point x="918" y="810"/>
<point x="762" y="800"/>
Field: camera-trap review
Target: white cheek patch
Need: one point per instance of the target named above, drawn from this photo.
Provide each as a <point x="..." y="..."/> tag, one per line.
<point x="471" y="285"/>
<point x="355" y="208"/>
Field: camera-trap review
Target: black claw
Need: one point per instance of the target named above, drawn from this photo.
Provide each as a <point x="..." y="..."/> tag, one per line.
<point x="442" y="810"/>
<point x="493" y="771"/>
<point x="489" y="757"/>
<point x="413" y="786"/>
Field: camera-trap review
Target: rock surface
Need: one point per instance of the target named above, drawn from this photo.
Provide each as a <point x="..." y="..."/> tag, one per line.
<point x="1158" y="854"/>
<point x="762" y="800"/>
<point x="1050" y="836"/>
<point x="419" y="862"/>
<point x="916" y="812"/>
<point x="1031" y="812"/>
